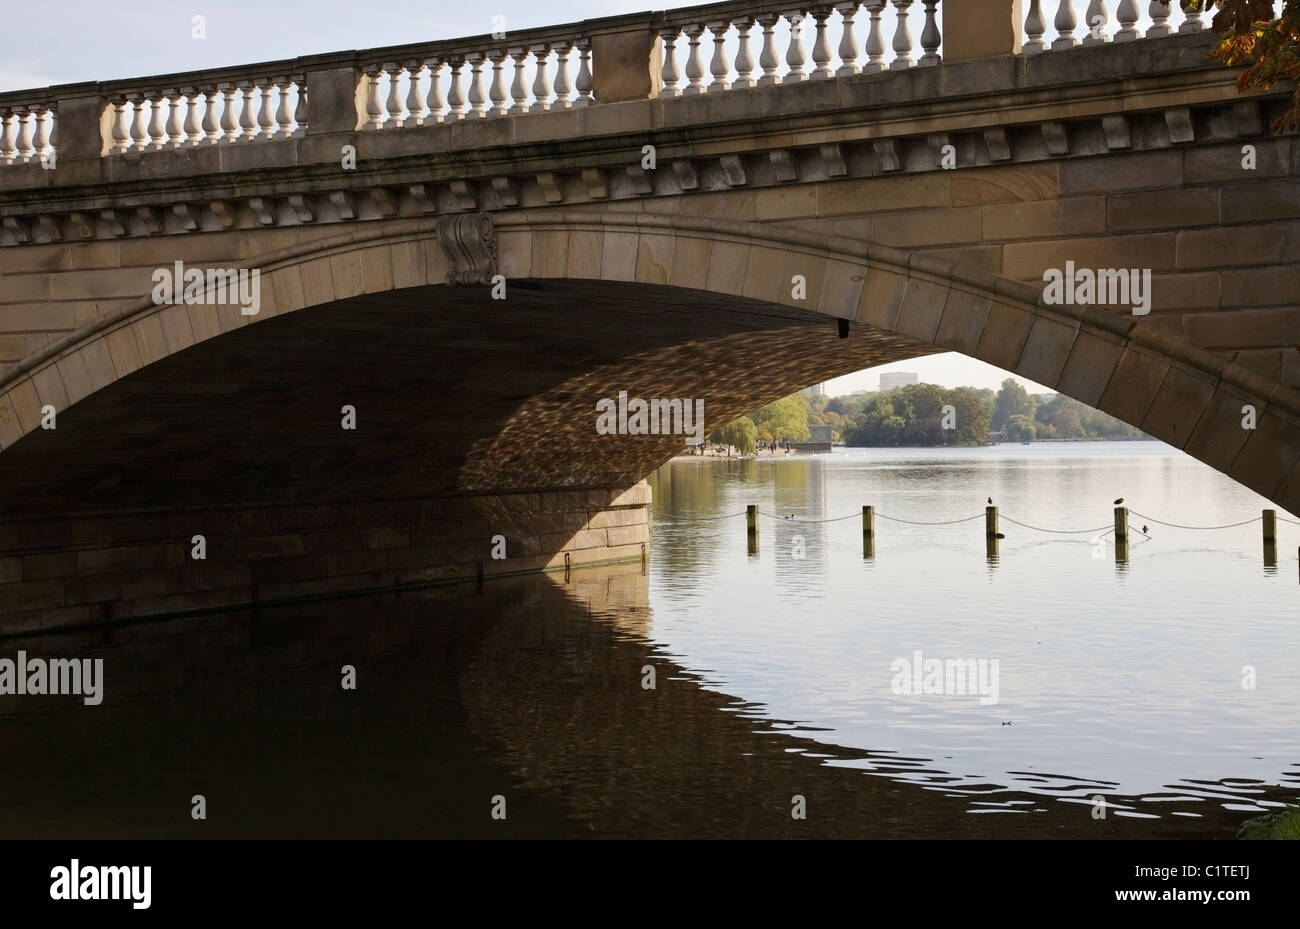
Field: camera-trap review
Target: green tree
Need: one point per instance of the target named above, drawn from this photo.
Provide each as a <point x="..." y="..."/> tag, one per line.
<point x="1021" y="428"/>
<point x="914" y="416"/>
<point x="1012" y="400"/>
<point x="972" y="417"/>
<point x="786" y="418"/>
<point x="741" y="434"/>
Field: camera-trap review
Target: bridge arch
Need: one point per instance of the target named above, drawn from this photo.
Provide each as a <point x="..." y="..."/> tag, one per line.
<point x="898" y="305"/>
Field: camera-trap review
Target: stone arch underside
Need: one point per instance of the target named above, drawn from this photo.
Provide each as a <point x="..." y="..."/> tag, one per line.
<point x="476" y="416"/>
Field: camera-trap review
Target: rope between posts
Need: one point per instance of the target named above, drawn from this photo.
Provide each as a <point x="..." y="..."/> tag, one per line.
<point x="791" y="519"/>
<point x="913" y="522"/>
<point x="1152" y="519"/>
<point x="953" y="522"/>
<point x="1055" y="531"/>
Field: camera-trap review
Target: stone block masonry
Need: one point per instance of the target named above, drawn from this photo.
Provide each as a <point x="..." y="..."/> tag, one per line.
<point x="108" y="567"/>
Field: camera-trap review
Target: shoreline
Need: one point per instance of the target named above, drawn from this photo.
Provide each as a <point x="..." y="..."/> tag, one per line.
<point x="788" y="453"/>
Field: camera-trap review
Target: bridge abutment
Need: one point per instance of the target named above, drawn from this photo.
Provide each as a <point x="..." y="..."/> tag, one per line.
<point x="91" y="568"/>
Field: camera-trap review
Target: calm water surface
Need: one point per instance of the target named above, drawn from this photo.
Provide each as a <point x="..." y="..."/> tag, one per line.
<point x="1116" y="680"/>
<point x="772" y="676"/>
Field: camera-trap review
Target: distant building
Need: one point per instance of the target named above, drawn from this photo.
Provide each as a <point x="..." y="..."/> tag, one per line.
<point x="898" y="379"/>
<point x="860" y="393"/>
<point x="816" y="390"/>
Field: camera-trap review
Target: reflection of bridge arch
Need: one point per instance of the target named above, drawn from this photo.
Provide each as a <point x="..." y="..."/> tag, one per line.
<point x="679" y="306"/>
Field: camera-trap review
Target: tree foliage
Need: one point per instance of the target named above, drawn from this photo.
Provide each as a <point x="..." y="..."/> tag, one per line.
<point x="1011" y="400"/>
<point x="914" y="416"/>
<point x="741" y="434"/>
<point x="1270" y="47"/>
<point x="786" y="418"/>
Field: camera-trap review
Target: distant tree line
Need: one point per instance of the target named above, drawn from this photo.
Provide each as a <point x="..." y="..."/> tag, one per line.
<point x="915" y="415"/>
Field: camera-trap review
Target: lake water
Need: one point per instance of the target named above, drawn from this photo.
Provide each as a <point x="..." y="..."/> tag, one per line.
<point x="1123" y="681"/>
<point x="773" y="680"/>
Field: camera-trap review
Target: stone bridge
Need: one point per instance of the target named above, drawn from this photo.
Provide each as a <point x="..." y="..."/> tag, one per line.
<point x="461" y="248"/>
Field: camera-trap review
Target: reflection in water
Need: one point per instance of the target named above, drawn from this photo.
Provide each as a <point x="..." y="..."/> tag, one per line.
<point x="532" y="688"/>
<point x="1119" y="678"/>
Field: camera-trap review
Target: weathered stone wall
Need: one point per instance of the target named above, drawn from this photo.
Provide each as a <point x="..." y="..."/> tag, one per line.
<point x="82" y="569"/>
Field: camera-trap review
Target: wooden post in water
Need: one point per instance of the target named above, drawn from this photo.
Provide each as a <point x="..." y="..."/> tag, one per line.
<point x="991" y="533"/>
<point x="751" y="528"/>
<point x="1270" y="538"/>
<point x="868" y="532"/>
<point x="1121" y="534"/>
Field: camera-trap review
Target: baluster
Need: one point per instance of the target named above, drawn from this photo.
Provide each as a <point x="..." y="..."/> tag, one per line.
<point x="52" y="140"/>
<point x="248" y="115"/>
<point x="744" y="60"/>
<point x="211" y="127"/>
<point x="518" y="92"/>
<point x="266" y="124"/>
<point x="542" y="80"/>
<point x="821" y="53"/>
<point x="1065" y="24"/>
<point x="1128" y="14"/>
<point x="455" y="95"/>
<point x="563" y="92"/>
<point x="902" y="39"/>
<point x="300" y="110"/>
<point x="415" y="103"/>
<point x="875" y="38"/>
<point x="117" y="127"/>
<point x="229" y="124"/>
<point x="192" y="129"/>
<point x="719" y="67"/>
<point x="375" y="114"/>
<point x="848" y="50"/>
<point x="1191" y="18"/>
<point x="694" y="63"/>
<point x="394" y="102"/>
<point x="670" y="75"/>
<point x="931" y="38"/>
<point x="477" y="100"/>
<point x="139" y="125"/>
<point x="417" y="107"/>
<point x="497" y="86"/>
<point x="767" y="58"/>
<point x="1097" y="23"/>
<point x="1035" y="26"/>
<point x="159" y="111"/>
<point x="8" y="143"/>
<point x="176" y="125"/>
<point x="44" y="124"/>
<point x="796" y="57"/>
<point x="26" y="147"/>
<point x="283" y="118"/>
<point x="437" y="97"/>
<point x="1160" y="13"/>
<point x="585" y="85"/>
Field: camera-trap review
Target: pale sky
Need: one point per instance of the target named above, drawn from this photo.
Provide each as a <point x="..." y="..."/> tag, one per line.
<point x="948" y="370"/>
<point x="156" y="38"/>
